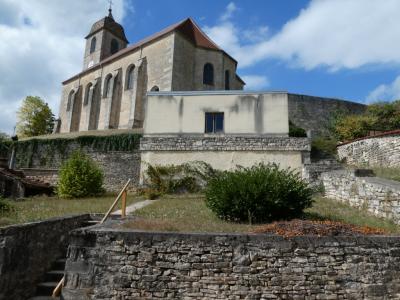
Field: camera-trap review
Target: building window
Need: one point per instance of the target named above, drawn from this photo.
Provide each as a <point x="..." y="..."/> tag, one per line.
<point x="227" y="83"/>
<point x="87" y="94"/>
<point x="107" y="86"/>
<point x="155" y="89"/>
<point x="114" y="46"/>
<point x="130" y="77"/>
<point x="71" y="96"/>
<point x="208" y="74"/>
<point x="214" y="122"/>
<point x="93" y="45"/>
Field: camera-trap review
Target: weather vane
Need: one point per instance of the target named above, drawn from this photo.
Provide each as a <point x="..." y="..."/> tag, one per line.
<point x="111" y="3"/>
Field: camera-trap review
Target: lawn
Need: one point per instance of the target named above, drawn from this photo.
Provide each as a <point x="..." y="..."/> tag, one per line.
<point x="40" y="208"/>
<point x="183" y="214"/>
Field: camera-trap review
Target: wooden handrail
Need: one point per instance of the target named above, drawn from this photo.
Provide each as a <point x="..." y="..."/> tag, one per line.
<point x="116" y="201"/>
<point x="57" y="290"/>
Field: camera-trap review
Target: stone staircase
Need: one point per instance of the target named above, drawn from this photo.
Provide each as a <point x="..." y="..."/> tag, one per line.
<point x="45" y="289"/>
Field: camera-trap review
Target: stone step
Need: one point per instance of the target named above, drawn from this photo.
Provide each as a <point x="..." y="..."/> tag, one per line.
<point x="59" y="264"/>
<point x="44" y="298"/>
<point x="54" y="275"/>
<point x="46" y="288"/>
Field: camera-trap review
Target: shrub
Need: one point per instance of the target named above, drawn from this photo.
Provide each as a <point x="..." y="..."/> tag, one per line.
<point x="295" y="131"/>
<point x="256" y="194"/>
<point x="354" y="126"/>
<point x="79" y="177"/>
<point x="323" y="147"/>
<point x="6" y="207"/>
<point x="170" y="179"/>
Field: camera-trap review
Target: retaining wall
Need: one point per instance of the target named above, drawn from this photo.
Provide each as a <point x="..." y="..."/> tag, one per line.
<point x="121" y="264"/>
<point x="28" y="250"/>
<point x="378" y="196"/>
<point x="379" y="151"/>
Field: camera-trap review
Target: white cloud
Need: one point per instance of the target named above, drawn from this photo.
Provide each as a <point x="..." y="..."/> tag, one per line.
<point x="385" y="92"/>
<point x="255" y="82"/>
<point x="230" y="9"/>
<point x="335" y="34"/>
<point x="44" y="46"/>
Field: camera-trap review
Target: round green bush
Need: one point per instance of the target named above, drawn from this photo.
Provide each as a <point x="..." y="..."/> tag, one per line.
<point x="80" y="177"/>
<point x="257" y="194"/>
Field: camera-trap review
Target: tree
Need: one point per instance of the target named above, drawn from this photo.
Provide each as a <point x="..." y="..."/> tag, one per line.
<point x="34" y="117"/>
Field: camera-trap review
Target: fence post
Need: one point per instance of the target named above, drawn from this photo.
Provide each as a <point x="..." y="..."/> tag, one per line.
<point x="123" y="208"/>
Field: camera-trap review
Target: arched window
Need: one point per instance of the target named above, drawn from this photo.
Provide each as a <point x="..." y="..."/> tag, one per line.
<point x="114" y="46"/>
<point x="227" y="83"/>
<point x="208" y="74"/>
<point x="130" y="77"/>
<point x="107" y="86"/>
<point x="70" y="99"/>
<point x="87" y="94"/>
<point x="93" y="45"/>
<point x="155" y="89"/>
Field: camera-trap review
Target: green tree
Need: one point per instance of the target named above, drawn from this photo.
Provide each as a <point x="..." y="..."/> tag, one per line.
<point x="34" y="117"/>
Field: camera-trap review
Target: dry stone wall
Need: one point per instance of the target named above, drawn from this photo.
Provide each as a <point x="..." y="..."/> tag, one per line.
<point x="382" y="151"/>
<point x="121" y="264"/>
<point x="376" y="195"/>
<point x="28" y="250"/>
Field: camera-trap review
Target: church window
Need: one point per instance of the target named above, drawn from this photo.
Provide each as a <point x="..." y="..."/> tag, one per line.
<point x="70" y="99"/>
<point x="93" y="45"/>
<point x="227" y="83"/>
<point x="155" y="89"/>
<point x="107" y="86"/>
<point x="130" y="77"/>
<point x="114" y="46"/>
<point x="214" y="122"/>
<point x="87" y="94"/>
<point x="208" y="74"/>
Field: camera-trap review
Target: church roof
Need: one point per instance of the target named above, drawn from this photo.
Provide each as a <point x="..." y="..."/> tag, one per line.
<point x="108" y="23"/>
<point x="187" y="27"/>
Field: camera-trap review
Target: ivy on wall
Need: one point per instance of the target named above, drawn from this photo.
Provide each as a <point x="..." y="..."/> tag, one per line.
<point x="45" y="150"/>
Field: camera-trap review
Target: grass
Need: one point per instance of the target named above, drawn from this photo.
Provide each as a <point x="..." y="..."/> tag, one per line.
<point x="182" y="214"/>
<point x="388" y="173"/>
<point x="40" y="208"/>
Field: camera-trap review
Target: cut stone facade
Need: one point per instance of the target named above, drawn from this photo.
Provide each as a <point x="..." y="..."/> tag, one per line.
<point x="100" y="97"/>
<point x="112" y="263"/>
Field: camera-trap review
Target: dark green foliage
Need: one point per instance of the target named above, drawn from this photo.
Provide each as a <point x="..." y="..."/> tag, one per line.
<point x="257" y="194"/>
<point x="189" y="177"/>
<point x="6" y="206"/>
<point x="323" y="147"/>
<point x="295" y="131"/>
<point x="5" y="144"/>
<point x="80" y="177"/>
<point x="63" y="146"/>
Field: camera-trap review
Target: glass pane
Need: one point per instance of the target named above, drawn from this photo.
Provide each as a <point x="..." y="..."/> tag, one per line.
<point x="219" y="122"/>
<point x="209" y="122"/>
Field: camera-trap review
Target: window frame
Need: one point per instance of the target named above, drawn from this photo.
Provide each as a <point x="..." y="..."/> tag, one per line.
<point x="208" y="74"/>
<point x="93" y="43"/>
<point x="114" y="46"/>
<point x="214" y="115"/>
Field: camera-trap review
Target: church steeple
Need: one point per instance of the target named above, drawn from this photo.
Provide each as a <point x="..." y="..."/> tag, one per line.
<point x="105" y="38"/>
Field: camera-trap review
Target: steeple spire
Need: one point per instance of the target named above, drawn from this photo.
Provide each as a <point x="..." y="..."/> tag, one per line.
<point x="110" y="10"/>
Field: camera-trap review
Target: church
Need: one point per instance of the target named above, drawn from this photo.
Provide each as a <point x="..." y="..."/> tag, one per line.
<point x="110" y="91"/>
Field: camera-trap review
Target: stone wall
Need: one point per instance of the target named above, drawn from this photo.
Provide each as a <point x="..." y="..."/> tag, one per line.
<point x="375" y="195"/>
<point x="28" y="250"/>
<point x="123" y="264"/>
<point x="117" y="166"/>
<point x="313" y="113"/>
<point x="379" y="151"/>
<point x="313" y="171"/>
<point x="223" y="143"/>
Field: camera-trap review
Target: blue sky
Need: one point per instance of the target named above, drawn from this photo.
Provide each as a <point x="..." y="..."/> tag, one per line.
<point x="334" y="48"/>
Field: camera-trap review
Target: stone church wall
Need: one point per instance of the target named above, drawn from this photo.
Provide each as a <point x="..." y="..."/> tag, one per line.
<point x="106" y="263"/>
<point x="313" y="113"/>
<point x="380" y="151"/>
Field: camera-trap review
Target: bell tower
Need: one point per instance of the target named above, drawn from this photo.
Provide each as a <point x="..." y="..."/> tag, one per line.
<point x="106" y="37"/>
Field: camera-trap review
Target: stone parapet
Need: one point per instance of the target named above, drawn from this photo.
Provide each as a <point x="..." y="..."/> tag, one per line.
<point x="125" y="264"/>
<point x="223" y="143"/>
